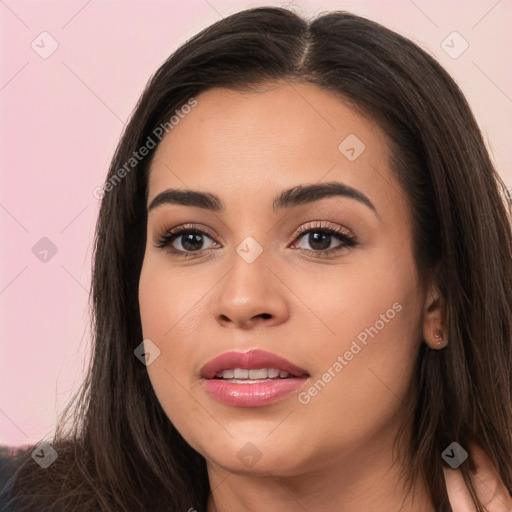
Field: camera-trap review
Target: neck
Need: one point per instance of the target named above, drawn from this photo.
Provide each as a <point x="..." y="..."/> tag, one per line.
<point x="365" y="479"/>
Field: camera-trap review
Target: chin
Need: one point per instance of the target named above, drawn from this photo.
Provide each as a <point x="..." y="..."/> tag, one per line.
<point x="263" y="466"/>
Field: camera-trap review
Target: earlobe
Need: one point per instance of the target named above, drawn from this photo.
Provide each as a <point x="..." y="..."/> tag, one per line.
<point x="440" y="340"/>
<point x="434" y="319"/>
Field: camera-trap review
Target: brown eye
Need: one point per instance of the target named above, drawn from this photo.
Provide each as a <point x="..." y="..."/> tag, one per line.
<point x="320" y="239"/>
<point x="184" y="241"/>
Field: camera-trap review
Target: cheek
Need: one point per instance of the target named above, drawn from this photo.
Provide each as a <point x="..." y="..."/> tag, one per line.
<point x="365" y="360"/>
<point x="168" y="302"/>
<point x="371" y="298"/>
<point x="163" y="313"/>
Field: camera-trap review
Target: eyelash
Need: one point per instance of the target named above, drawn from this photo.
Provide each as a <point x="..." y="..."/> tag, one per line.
<point x="347" y="239"/>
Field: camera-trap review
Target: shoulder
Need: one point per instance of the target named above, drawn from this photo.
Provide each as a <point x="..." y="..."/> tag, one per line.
<point x="9" y="463"/>
<point x="26" y="485"/>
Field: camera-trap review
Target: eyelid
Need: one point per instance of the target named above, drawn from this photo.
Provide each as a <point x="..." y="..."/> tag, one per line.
<point x="189" y="226"/>
<point x="321" y="224"/>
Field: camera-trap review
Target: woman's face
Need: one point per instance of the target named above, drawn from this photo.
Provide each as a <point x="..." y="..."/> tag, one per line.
<point x="345" y="307"/>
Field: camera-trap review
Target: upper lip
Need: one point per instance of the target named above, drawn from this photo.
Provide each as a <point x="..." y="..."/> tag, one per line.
<point x="250" y="359"/>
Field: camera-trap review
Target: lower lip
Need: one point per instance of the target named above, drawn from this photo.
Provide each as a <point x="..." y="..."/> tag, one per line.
<point x="252" y="395"/>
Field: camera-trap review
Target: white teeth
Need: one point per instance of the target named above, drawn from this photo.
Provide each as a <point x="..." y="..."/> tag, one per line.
<point x="241" y="373"/>
<point x="253" y="374"/>
<point x="258" y="374"/>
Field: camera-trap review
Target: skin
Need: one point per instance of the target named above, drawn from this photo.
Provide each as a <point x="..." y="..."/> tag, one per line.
<point x="333" y="453"/>
<point x="490" y="488"/>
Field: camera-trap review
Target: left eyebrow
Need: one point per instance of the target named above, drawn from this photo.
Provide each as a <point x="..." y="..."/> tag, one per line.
<point x="301" y="194"/>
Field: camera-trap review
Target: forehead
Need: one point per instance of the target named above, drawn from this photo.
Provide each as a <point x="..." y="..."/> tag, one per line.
<point x="255" y="143"/>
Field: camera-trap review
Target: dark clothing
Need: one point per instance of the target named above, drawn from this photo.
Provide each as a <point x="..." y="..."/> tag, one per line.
<point x="8" y="466"/>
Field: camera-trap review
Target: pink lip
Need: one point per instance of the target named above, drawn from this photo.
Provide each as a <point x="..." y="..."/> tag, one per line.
<point x="256" y="394"/>
<point x="251" y="359"/>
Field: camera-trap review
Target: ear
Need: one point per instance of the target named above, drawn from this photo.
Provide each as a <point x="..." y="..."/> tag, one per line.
<point x="435" y="326"/>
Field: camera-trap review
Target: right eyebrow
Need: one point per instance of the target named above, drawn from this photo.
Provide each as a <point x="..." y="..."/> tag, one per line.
<point x="195" y="198"/>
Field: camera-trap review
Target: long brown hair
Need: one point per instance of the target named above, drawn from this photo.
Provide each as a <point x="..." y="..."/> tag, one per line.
<point x="122" y="452"/>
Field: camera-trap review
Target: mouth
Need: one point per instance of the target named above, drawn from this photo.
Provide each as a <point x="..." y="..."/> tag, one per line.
<point x="246" y="375"/>
<point x="254" y="364"/>
<point x="252" y="378"/>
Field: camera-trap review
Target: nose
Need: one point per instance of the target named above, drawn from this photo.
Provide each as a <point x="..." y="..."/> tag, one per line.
<point x="249" y="295"/>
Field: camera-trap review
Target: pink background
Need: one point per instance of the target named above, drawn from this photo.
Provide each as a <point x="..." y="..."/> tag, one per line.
<point x="62" y="117"/>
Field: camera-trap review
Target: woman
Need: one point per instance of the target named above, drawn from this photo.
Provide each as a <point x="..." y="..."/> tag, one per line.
<point x="341" y="338"/>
